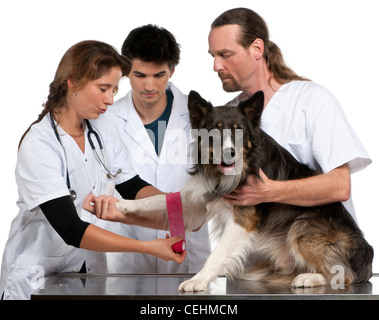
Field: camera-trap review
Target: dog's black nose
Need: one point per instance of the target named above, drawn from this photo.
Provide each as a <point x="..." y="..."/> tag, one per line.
<point x="228" y="155"/>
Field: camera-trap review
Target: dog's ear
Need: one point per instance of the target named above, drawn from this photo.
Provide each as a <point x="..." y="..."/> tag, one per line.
<point x="198" y="108"/>
<point x="253" y="108"/>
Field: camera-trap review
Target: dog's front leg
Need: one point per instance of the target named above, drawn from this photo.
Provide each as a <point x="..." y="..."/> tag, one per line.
<point x="228" y="257"/>
<point x="148" y="212"/>
<point x="155" y="207"/>
<point x="154" y="204"/>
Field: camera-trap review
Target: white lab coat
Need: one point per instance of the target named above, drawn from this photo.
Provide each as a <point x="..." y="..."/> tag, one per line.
<point x="34" y="249"/>
<point x="308" y="121"/>
<point x="168" y="172"/>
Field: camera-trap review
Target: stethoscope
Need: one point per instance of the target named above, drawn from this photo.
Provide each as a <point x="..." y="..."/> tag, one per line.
<point x="109" y="174"/>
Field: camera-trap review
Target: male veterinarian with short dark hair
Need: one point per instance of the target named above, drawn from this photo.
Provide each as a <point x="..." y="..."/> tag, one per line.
<point x="302" y="116"/>
<point x="153" y="123"/>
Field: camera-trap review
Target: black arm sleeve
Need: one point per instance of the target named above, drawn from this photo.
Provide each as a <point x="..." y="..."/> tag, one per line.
<point x="61" y="214"/>
<point x="129" y="189"/>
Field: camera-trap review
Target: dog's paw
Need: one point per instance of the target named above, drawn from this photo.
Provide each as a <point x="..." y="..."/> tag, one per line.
<point x="193" y="285"/>
<point x="308" y="280"/>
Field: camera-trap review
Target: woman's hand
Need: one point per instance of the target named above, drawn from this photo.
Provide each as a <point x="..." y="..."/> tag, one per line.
<point x="161" y="248"/>
<point x="103" y="207"/>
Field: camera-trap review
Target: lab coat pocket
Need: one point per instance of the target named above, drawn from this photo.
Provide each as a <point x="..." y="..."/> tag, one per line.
<point x="107" y="186"/>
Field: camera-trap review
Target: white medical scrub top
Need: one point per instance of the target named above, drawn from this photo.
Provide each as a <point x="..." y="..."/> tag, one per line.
<point x="41" y="176"/>
<point x="167" y="172"/>
<point x="308" y="121"/>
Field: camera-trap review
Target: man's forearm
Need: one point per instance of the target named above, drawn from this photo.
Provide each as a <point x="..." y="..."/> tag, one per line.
<point x="330" y="187"/>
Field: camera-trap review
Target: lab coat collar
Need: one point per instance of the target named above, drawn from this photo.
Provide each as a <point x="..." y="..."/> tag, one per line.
<point x="124" y="108"/>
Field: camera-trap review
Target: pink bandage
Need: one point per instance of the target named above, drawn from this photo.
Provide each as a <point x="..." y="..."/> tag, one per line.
<point x="175" y="219"/>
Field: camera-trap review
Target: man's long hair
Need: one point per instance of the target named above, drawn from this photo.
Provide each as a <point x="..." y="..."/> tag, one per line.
<point x="254" y="27"/>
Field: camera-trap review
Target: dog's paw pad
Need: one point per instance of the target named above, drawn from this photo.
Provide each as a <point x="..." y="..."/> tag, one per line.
<point x="193" y="286"/>
<point x="308" y="280"/>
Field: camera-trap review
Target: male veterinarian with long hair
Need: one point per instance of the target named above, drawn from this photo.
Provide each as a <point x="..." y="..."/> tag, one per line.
<point x="152" y="121"/>
<point x="299" y="114"/>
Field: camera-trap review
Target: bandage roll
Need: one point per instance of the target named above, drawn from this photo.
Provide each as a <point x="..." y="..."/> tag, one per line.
<point x="175" y="219"/>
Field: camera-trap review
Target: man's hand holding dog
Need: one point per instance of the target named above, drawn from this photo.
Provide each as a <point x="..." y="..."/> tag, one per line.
<point x="253" y="192"/>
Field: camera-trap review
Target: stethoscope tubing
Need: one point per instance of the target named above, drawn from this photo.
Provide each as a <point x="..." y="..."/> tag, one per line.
<point x="110" y="175"/>
<point x="93" y="147"/>
<point x="68" y="182"/>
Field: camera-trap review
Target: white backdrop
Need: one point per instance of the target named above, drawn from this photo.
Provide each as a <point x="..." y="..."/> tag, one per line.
<point x="333" y="42"/>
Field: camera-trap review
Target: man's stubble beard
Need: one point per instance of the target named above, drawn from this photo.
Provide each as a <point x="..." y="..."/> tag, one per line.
<point x="229" y="86"/>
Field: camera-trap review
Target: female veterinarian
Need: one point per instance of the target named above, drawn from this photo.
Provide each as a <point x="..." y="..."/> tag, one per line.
<point x="68" y="153"/>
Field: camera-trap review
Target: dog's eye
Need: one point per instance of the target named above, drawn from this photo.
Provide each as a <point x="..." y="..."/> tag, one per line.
<point x="215" y="130"/>
<point x="239" y="131"/>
